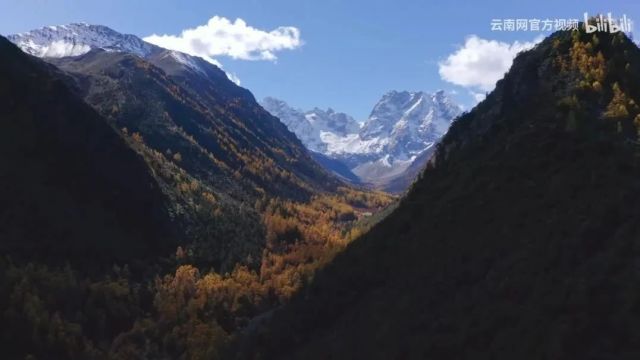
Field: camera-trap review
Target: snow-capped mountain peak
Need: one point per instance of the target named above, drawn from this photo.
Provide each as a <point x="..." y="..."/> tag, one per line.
<point x="77" y="39"/>
<point x="419" y="112"/>
<point x="80" y="38"/>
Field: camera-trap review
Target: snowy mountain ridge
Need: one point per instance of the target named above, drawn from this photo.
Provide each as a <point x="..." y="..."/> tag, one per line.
<point x="401" y="128"/>
<point x="77" y="39"/>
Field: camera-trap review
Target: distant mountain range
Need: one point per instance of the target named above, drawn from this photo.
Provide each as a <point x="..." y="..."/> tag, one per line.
<point x="399" y="135"/>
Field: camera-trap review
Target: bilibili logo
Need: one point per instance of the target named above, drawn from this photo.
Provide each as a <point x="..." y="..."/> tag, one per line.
<point x="607" y="24"/>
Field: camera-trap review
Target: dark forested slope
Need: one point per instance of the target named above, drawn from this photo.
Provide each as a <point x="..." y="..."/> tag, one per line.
<point x="71" y="188"/>
<point x="519" y="241"/>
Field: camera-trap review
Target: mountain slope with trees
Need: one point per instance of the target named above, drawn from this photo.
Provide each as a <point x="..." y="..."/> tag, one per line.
<point x="143" y="218"/>
<point x="519" y="241"/>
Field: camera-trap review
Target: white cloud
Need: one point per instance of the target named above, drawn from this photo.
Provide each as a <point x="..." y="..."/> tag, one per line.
<point x="480" y="63"/>
<point x="222" y="37"/>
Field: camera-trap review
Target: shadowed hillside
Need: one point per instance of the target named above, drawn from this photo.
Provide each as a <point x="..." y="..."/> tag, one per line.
<point x="71" y="187"/>
<point x="519" y="241"/>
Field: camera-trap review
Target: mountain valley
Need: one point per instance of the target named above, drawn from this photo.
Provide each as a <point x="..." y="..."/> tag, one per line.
<point x="152" y="208"/>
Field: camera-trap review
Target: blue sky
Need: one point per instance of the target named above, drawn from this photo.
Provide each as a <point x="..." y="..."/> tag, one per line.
<point x="352" y="51"/>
